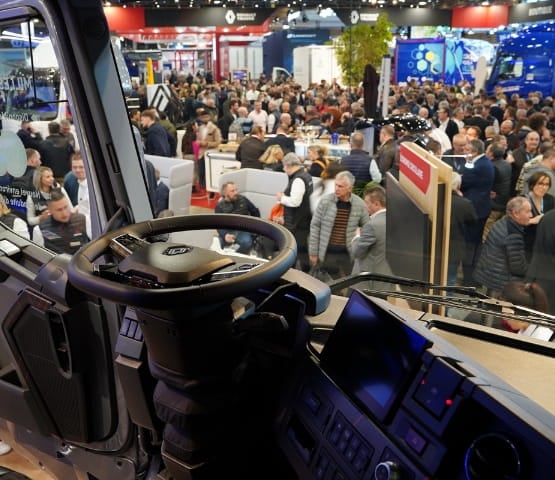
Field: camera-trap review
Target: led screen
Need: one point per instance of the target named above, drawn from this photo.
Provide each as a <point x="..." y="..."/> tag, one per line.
<point x="371" y="355"/>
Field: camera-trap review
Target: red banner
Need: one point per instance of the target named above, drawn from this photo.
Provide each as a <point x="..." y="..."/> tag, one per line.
<point x="416" y="169"/>
<point x="491" y="16"/>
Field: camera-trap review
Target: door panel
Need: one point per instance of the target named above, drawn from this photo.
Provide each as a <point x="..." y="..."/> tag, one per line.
<point x="61" y="371"/>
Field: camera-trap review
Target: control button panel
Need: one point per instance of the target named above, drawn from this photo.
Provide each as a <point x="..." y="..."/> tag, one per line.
<point x="350" y="445"/>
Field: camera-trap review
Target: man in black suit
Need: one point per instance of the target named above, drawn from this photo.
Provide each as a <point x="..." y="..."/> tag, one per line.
<point x="478" y="120"/>
<point x="286" y="143"/>
<point x="463" y="214"/>
<point x="477" y="182"/>
<point x="446" y="124"/>
<point x="228" y="118"/>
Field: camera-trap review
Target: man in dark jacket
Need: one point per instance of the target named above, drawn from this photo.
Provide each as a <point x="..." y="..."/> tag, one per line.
<point x="30" y="137"/>
<point x="477" y="182"/>
<point x="503" y="257"/>
<point x="62" y="231"/>
<point x="385" y="156"/>
<point x="228" y="117"/>
<point x="233" y="202"/>
<point x="446" y="124"/>
<point x="251" y="148"/>
<point x="501" y="190"/>
<point x="463" y="215"/>
<point x="156" y="137"/>
<point x="359" y="163"/>
<point x="33" y="162"/>
<point x="56" y="152"/>
<point x="286" y="143"/>
<point x="477" y="119"/>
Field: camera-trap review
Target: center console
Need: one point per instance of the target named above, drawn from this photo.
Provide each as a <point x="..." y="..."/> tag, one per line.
<point x="388" y="398"/>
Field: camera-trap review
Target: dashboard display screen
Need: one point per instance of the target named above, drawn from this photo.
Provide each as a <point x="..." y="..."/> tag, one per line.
<point x="371" y="355"/>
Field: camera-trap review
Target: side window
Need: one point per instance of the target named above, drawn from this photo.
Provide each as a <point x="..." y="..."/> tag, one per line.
<point x="37" y="143"/>
<point x="510" y="67"/>
<point x="29" y="77"/>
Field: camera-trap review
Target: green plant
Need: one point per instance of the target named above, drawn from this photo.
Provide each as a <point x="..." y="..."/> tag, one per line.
<point x="360" y="45"/>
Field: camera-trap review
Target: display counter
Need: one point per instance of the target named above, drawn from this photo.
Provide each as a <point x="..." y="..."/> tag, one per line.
<point x="218" y="163"/>
<point x="338" y="150"/>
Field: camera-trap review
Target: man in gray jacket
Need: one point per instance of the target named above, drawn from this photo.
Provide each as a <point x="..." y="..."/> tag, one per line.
<point x="334" y="225"/>
<point x="369" y="244"/>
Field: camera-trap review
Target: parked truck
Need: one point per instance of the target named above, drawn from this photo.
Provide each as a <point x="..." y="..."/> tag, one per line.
<point x="525" y="62"/>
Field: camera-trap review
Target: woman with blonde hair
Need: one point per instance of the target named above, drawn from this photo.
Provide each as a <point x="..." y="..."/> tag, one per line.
<point x="271" y="158"/>
<point x="44" y="184"/>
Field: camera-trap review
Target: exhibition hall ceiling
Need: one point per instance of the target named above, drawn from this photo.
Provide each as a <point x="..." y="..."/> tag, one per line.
<point x="301" y="4"/>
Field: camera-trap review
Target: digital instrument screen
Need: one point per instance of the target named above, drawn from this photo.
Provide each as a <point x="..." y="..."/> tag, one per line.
<point x="371" y="355"/>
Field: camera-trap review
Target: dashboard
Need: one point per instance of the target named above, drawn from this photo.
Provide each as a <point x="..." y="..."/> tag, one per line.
<point x="389" y="398"/>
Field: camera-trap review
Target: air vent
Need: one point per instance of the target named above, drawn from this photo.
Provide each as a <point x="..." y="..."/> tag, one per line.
<point x="492" y="457"/>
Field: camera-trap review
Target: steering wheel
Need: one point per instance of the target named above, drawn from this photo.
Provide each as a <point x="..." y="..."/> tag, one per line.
<point x="164" y="274"/>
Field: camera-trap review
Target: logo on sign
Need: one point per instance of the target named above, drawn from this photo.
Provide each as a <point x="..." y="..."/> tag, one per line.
<point x="161" y="98"/>
<point x="355" y="17"/>
<point x="416" y="169"/>
<point x="230" y="17"/>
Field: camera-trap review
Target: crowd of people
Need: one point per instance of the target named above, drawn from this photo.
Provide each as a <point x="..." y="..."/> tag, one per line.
<point x="500" y="148"/>
<point x="37" y="204"/>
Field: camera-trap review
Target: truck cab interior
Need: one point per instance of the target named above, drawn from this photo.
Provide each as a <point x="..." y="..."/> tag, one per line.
<point x="142" y="359"/>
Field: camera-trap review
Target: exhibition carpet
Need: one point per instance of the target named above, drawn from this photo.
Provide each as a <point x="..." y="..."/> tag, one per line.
<point x="201" y="198"/>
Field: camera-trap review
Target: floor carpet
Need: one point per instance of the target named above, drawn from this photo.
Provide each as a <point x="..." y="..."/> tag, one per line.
<point x="203" y="199"/>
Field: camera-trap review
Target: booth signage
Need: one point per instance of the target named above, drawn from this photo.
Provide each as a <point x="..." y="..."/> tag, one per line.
<point x="415" y="168"/>
<point x="206" y="17"/>
<point x="532" y="12"/>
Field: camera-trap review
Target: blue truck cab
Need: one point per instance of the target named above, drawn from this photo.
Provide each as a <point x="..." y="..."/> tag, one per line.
<point x="525" y="62"/>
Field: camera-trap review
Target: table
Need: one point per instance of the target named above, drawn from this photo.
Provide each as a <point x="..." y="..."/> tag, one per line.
<point x="334" y="150"/>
